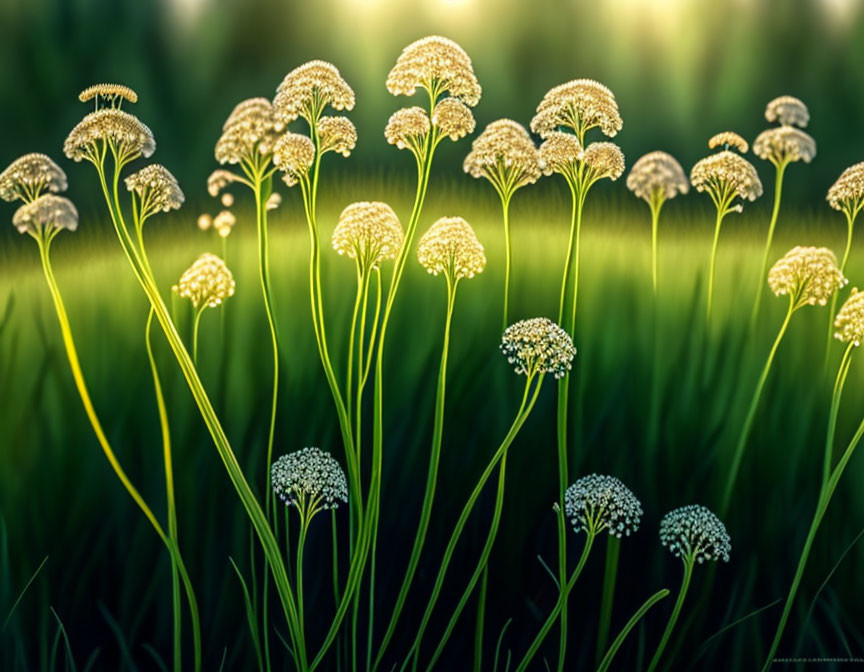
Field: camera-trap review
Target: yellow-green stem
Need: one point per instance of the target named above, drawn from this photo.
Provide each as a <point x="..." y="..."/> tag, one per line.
<point x="760" y="288"/>
<point x="676" y="612"/>
<point x="619" y="640"/>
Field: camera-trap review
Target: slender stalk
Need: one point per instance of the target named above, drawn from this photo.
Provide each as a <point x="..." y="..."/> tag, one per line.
<point x="676" y="612"/>
<point x="479" y="623"/>
<point x="760" y="289"/>
<point x="610" y="574"/>
<point x="505" y="205"/>
<point x="717" y="225"/>
<point x="839" y="383"/>
<point x="655" y="218"/>
<point x="198" y="313"/>
<point x="619" y="640"/>
<point x="850" y="226"/>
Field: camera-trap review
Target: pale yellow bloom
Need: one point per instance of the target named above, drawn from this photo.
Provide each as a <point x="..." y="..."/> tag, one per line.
<point x="450" y="246"/>
<point x="580" y="105"/>
<point x="310" y="88"/>
<point x="111" y="93"/>
<point x="453" y="118"/>
<point x="125" y="132"/>
<point x="30" y="175"/>
<point x="251" y="127"/>
<point x="784" y="144"/>
<point x="560" y="153"/>
<point x="293" y="155"/>
<point x="505" y="155"/>
<point x="788" y="110"/>
<point x="206" y="283"/>
<point x="537" y="346"/>
<point x="849" y="322"/>
<point x="46" y="212"/>
<point x="438" y="65"/>
<point x="604" y="159"/>
<point x="808" y="275"/>
<point x="728" y="139"/>
<point x="157" y="190"/>
<point x="657" y="174"/>
<point x="369" y="232"/>
<point x="337" y="134"/>
<point x="726" y="174"/>
<point x="847" y="193"/>
<point x="407" y="128"/>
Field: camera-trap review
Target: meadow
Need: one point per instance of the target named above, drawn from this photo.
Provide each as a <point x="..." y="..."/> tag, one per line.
<point x="101" y="595"/>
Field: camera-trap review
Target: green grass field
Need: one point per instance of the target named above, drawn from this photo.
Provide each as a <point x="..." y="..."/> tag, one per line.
<point x="107" y="578"/>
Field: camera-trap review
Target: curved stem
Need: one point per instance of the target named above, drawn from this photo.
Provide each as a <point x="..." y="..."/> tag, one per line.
<point x="717" y="225"/>
<point x="571" y="242"/>
<point x="198" y="313"/>
<point x="676" y="612"/>
<point x="850" y="226"/>
<point x="760" y="289"/>
<point x="505" y="204"/>
<point x="839" y="383"/>
<point x="610" y="574"/>
<point x="619" y="640"/>
<point x="480" y="621"/>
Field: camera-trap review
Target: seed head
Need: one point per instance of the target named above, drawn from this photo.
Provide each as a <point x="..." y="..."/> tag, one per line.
<point x="113" y="94"/>
<point x="206" y="283"/>
<point x="605" y="159"/>
<point x="450" y="246"/>
<point x="309" y="476"/>
<point x="728" y="139"/>
<point x="538" y="345"/>
<point x="156" y="188"/>
<point x="726" y="169"/>
<point x="580" y="105"/>
<point x="693" y="533"/>
<point x="438" y="65"/>
<point x="453" y="118"/>
<point x="124" y="131"/>
<point x="251" y="127"/>
<point x="308" y="89"/>
<point x="783" y="144"/>
<point x="218" y="180"/>
<point x="505" y="155"/>
<point x="407" y="128"/>
<point x="293" y="155"/>
<point x="224" y="223"/>
<point x="369" y="232"/>
<point x="337" y="134"/>
<point x="847" y="193"/>
<point x="560" y="153"/>
<point x="809" y="275"/>
<point x="273" y="201"/>
<point x="45" y="213"/>
<point x="849" y="322"/>
<point x="595" y="503"/>
<point x="657" y="174"/>
<point x="788" y="111"/>
<point x="30" y="175"/>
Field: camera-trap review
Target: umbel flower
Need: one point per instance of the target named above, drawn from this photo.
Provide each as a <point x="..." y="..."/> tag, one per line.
<point x="847" y="193"/>
<point x="111" y="94"/>
<point x="218" y="180"/>
<point x="309" y="477"/>
<point x="157" y="190"/>
<point x="783" y="145"/>
<point x="368" y="232"/>
<point x="657" y="176"/>
<point x="124" y="132"/>
<point x="206" y="283"/>
<point x="46" y="215"/>
<point x="450" y="246"/>
<point x="604" y="159"/>
<point x="337" y="134"/>
<point x="250" y="128"/>
<point x="595" y="503"/>
<point x="788" y="111"/>
<point x="437" y="65"/>
<point x="694" y="533"/>
<point x="725" y="176"/>
<point x="580" y="105"/>
<point x="505" y="155"/>
<point x="728" y="140"/>
<point x="293" y="155"/>
<point x="808" y="275"/>
<point x="453" y="118"/>
<point x="224" y="223"/>
<point x="310" y="88"/>
<point x="29" y="176"/>
<point x="849" y="323"/>
<point x="538" y="345"/>
<point x="561" y="153"/>
<point x="407" y="129"/>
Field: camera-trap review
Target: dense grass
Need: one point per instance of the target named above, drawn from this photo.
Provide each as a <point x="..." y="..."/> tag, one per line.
<point x="107" y="577"/>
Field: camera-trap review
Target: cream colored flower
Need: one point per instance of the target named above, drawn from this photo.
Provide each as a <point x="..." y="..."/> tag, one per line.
<point x="605" y="159"/>
<point x="580" y="105"/>
<point x="728" y="139"/>
<point x="505" y="155"/>
<point x="273" y="201"/>
<point x="157" y="190"/>
<point x="784" y="144"/>
<point x="224" y="223"/>
<point x="849" y="322"/>
<point x="293" y="155"/>
<point x="45" y="213"/>
<point x="561" y="153"/>
<point x="369" y="232"/>
<point x="30" y="175"/>
<point x="206" y="283"/>
<point x="453" y="118"/>
<point x="251" y="127"/>
<point x="538" y="345"/>
<point x="808" y="275"/>
<point x="337" y="134"/>
<point x="450" y="246"/>
<point x="113" y="94"/>
<point x="408" y="128"/>
<point x="308" y="89"/>
<point x="847" y="193"/>
<point x="125" y="132"/>
<point x="657" y="175"/>
<point x="789" y="111"/>
<point x="726" y="174"/>
<point x="438" y="65"/>
<point x="218" y="180"/>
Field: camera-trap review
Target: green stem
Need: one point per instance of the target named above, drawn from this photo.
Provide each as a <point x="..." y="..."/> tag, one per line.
<point x="676" y="611"/>
<point x="839" y="383"/>
<point x="479" y="623"/>
<point x="198" y="313"/>
<point x="619" y="640"/>
<point x="719" y="222"/>
<point x="305" y="516"/>
<point x="505" y="204"/>
<point x="610" y="574"/>
<point x="760" y="289"/>
<point x="850" y="226"/>
<point x="570" y="244"/>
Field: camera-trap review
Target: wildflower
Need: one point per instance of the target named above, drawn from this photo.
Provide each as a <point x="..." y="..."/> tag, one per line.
<point x="788" y="111"/>
<point x="308" y="89"/>
<point x="808" y="275"/>
<point x="30" y="175"/>
<point x="407" y="128"/>
<point x="693" y="532"/>
<point x="580" y="105"/>
<point x="224" y="223"/>
<point x="728" y="139"/>
<point x="157" y="190"/>
<point x="309" y="473"/>
<point x="227" y="200"/>
<point x="438" y="65"/>
<point x="369" y="232"/>
<point x="218" y="180"/>
<point x="604" y="159"/>
<point x="847" y="193"/>
<point x="124" y="132"/>
<point x="273" y="201"/>
<point x="538" y="345"/>
<point x="453" y="118"/>
<point x="450" y="246"/>
<point x="337" y="134"/>
<point x="205" y="221"/>
<point x="250" y="128"/>
<point x="293" y="155"/>
<point x="595" y="503"/>
<point x="784" y="144"/>
<point x="505" y="155"/>
<point x="726" y="173"/>
<point x="657" y="175"/>
<point x="113" y="94"/>
<point x="560" y="153"/>
<point x="206" y="283"/>
<point x="46" y="213"/>
<point x="849" y="322"/>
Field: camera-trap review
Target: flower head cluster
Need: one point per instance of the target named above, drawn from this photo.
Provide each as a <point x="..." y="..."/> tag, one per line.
<point x="580" y="104"/>
<point x="45" y="213"/>
<point x="788" y="111"/>
<point x="726" y="171"/>
<point x="450" y="246"/>
<point x="337" y="134"/>
<point x="157" y="189"/>
<point x="808" y="275"/>
<point x="605" y="159"/>
<point x="438" y="65"/>
<point x="207" y="282"/>
<point x="538" y="345"/>
<point x="309" y="477"/>
<point x="728" y="139"/>
<point x="693" y="533"/>
<point x="847" y="193"/>
<point x="293" y="155"/>
<point x="129" y="136"/>
<point x="218" y="180"/>
<point x="657" y="175"/>
<point x="251" y="127"/>
<point x="30" y="175"/>
<point x="560" y="152"/>
<point x="595" y="503"/>
<point x="224" y="223"/>
<point x="369" y="232"/>
<point x="113" y="94"/>
<point x="453" y="118"/>
<point x="784" y="144"/>
<point x="505" y="155"/>
<point x="308" y="89"/>
<point x="407" y="128"/>
<point x="849" y="322"/>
